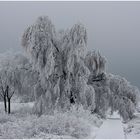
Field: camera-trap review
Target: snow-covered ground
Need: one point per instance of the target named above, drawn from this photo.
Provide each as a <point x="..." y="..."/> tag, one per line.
<point x="132" y="128"/>
<point x="20" y="120"/>
<point x="21" y="123"/>
<point x="111" y="129"/>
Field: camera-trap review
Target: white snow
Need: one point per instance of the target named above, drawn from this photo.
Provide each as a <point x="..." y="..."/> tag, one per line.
<point x="132" y="128"/>
<point x="112" y="128"/>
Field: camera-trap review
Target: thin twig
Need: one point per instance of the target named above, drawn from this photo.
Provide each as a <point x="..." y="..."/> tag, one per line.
<point x="12" y="94"/>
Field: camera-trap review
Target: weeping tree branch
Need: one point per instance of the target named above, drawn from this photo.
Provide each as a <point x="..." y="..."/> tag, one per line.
<point x="3" y="92"/>
<point x="55" y="45"/>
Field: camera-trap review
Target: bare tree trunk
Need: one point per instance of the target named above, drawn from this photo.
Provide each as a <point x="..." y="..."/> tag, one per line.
<point x="8" y="98"/>
<point x="5" y="105"/>
<point x="9" y="106"/>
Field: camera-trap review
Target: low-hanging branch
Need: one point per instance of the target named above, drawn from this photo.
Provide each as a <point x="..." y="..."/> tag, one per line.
<point x="55" y="45"/>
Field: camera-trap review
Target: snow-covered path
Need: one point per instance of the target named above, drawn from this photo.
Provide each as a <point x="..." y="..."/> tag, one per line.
<point x="111" y="129"/>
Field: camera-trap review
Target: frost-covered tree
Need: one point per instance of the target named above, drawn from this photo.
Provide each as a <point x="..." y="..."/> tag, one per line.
<point x="8" y="81"/>
<point x="16" y="78"/>
<point x="111" y="91"/>
<point x="60" y="63"/>
<point x="27" y="78"/>
<point x="3" y="93"/>
<point x="98" y="80"/>
<point x="5" y="75"/>
<point x="123" y="96"/>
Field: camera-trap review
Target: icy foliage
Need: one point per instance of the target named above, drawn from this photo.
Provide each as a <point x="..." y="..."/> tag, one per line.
<point x="97" y="79"/>
<point x="102" y="96"/>
<point x="38" y="40"/>
<point x="123" y="96"/>
<point x="17" y="73"/>
<point x="117" y="93"/>
<point x="95" y="62"/>
<point x="60" y="62"/>
<point x="111" y="91"/>
<point x="8" y="79"/>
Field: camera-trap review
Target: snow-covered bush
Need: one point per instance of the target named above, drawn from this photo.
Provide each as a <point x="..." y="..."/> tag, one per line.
<point x="74" y="123"/>
<point x="80" y="112"/>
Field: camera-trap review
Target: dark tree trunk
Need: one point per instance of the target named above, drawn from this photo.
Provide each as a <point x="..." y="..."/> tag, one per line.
<point x="5" y="105"/>
<point x="8" y="98"/>
<point x="9" y="106"/>
<point x="72" y="98"/>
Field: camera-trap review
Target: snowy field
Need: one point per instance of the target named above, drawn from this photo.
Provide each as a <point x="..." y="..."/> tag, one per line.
<point x="111" y="129"/>
<point x="21" y="123"/>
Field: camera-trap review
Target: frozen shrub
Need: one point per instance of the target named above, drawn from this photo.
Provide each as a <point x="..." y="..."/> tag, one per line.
<point x="75" y="123"/>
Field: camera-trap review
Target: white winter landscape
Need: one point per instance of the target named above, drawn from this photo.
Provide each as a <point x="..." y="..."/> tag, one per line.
<point x="69" y="70"/>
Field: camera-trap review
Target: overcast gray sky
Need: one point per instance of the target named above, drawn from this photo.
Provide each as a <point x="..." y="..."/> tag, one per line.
<point x="113" y="28"/>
